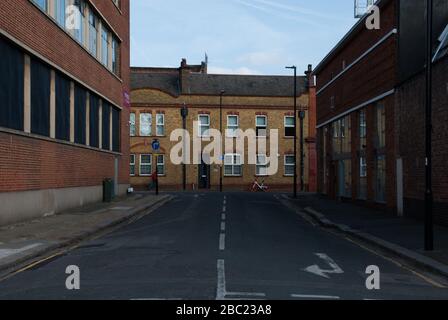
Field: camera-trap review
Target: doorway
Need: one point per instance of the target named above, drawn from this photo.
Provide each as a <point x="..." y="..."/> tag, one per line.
<point x="204" y="175"/>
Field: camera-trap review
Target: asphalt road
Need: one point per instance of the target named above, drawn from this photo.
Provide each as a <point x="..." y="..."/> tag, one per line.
<point x="220" y="246"/>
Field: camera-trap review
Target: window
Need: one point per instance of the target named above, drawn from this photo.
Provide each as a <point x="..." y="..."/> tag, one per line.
<point x="79" y="31"/>
<point x="232" y="165"/>
<point x="132" y="128"/>
<point x="40" y="98"/>
<point x="60" y="8"/>
<point x="80" y="115"/>
<point x="115" y="55"/>
<point x="363" y="167"/>
<point x="381" y="126"/>
<point x="93" y="33"/>
<point x="204" y="125"/>
<point x="106" y="126"/>
<point x="289" y="165"/>
<point x="105" y="47"/>
<point x="145" y="124"/>
<point x="115" y="129"/>
<point x="160" y="124"/>
<point x="161" y="165"/>
<point x="380" y="183"/>
<point x="41" y="4"/>
<point x="145" y="165"/>
<point x="362" y="129"/>
<point x="94" y="121"/>
<point x="232" y="126"/>
<point x="362" y="192"/>
<point x="11" y="86"/>
<point x="132" y="165"/>
<point x="261" y="123"/>
<point x="62" y="90"/>
<point x="262" y="165"/>
<point x="289" y="126"/>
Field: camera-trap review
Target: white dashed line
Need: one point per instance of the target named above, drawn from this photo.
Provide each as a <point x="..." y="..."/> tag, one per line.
<point x="222" y="241"/>
<point x="223" y="226"/>
<point x="224" y="209"/>
<point x="223" y="217"/>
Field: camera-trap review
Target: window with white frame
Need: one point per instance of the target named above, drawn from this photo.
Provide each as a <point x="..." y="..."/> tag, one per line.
<point x="161" y="165"/>
<point x="232" y="165"/>
<point x="145" y="164"/>
<point x="145" y="124"/>
<point x="105" y="47"/>
<point x="93" y="34"/>
<point x="132" y="165"/>
<point x="79" y="31"/>
<point x="289" y="126"/>
<point x="289" y="165"/>
<point x="204" y="125"/>
<point x="160" y="124"/>
<point x="232" y="126"/>
<point x="60" y="8"/>
<point x="115" y="55"/>
<point x="363" y="167"/>
<point x="262" y="165"/>
<point x="132" y="127"/>
<point x="261" y="123"/>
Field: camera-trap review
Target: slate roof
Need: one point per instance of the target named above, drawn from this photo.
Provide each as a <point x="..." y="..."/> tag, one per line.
<point x="212" y="84"/>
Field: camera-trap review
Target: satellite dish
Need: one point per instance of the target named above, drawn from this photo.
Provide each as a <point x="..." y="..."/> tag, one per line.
<point x="362" y="7"/>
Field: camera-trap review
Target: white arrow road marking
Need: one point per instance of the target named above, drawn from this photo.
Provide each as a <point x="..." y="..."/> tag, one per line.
<point x="322" y="272"/>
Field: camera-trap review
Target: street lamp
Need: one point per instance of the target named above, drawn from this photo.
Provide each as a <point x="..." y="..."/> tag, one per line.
<point x="302" y="154"/>
<point x="295" y="129"/>
<point x="184" y="115"/>
<point x="220" y="130"/>
<point x="429" y="227"/>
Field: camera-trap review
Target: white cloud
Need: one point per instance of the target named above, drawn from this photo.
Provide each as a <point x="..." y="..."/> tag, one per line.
<point x="262" y="58"/>
<point x="241" y="70"/>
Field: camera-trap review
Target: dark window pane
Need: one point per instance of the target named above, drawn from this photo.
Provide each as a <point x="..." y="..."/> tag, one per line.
<point x="106" y="126"/>
<point x="40" y="98"/>
<point x="115" y="130"/>
<point x="289" y="132"/>
<point x="94" y="121"/>
<point x="62" y="87"/>
<point x="11" y="86"/>
<point x="80" y="115"/>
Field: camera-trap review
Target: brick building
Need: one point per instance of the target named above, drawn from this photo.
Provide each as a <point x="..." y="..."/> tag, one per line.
<point x="64" y="79"/>
<point x="370" y="111"/>
<point x="250" y="102"/>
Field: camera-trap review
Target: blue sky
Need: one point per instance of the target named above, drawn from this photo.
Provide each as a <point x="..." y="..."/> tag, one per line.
<point x="239" y="36"/>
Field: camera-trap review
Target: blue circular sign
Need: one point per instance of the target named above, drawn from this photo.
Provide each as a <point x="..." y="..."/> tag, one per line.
<point x="155" y="145"/>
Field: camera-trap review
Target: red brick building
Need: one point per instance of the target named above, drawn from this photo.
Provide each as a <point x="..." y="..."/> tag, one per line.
<point x="370" y="118"/>
<point x="64" y="87"/>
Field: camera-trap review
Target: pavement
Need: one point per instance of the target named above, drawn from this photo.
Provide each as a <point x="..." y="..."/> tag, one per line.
<point x="403" y="237"/>
<point x="22" y="243"/>
<point x="222" y="246"/>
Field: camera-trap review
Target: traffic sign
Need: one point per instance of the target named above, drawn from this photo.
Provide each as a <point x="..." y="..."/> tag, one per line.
<point x="155" y="145"/>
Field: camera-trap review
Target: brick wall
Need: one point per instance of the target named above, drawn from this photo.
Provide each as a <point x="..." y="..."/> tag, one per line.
<point x="247" y="108"/>
<point x="410" y="101"/>
<point x="28" y="162"/>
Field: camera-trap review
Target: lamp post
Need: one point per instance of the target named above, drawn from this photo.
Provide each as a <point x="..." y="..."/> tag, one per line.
<point x="295" y="130"/>
<point x="302" y="154"/>
<point x="184" y="114"/>
<point x="221" y="94"/>
<point x="429" y="227"/>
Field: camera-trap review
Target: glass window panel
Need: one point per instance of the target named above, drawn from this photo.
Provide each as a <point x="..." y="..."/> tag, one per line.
<point x="145" y="124"/>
